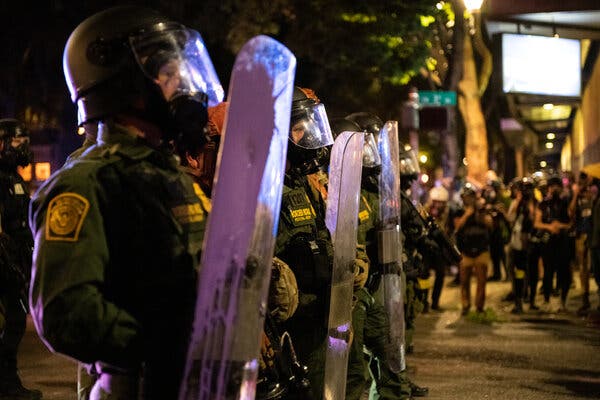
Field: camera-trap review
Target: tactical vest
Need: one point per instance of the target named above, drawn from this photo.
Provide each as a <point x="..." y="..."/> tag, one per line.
<point x="14" y="197"/>
<point x="303" y="241"/>
<point x="14" y="205"/>
<point x="473" y="238"/>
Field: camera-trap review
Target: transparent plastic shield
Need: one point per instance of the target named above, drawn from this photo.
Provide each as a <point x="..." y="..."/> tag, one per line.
<point x="371" y="156"/>
<point x="392" y="287"/>
<point x="389" y="179"/>
<point x="341" y="220"/>
<point x="177" y="60"/>
<point x="238" y="246"/>
<point x="408" y="161"/>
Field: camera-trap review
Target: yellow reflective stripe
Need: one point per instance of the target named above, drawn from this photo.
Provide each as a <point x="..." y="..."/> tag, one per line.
<point x="312" y="210"/>
<point x="205" y="200"/>
<point x="366" y="203"/>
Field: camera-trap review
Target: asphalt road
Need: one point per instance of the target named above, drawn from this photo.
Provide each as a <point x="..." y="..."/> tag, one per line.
<point x="538" y="355"/>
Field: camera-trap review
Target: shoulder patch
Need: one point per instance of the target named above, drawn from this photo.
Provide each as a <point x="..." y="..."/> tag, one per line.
<point x="65" y="216"/>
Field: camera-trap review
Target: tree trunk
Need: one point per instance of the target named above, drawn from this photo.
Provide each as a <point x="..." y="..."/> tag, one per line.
<point x="469" y="105"/>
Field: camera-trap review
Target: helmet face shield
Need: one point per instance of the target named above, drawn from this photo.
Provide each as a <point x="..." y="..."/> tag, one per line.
<point x="371" y="156"/>
<point x="178" y="62"/>
<point x="408" y="163"/>
<point x="311" y="130"/>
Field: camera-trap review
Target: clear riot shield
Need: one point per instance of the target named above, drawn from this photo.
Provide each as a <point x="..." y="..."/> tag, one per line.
<point x="389" y="243"/>
<point x="341" y="219"/>
<point x="235" y="268"/>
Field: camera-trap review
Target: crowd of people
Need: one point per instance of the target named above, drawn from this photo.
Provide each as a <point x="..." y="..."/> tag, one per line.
<point x="118" y="235"/>
<point x="535" y="232"/>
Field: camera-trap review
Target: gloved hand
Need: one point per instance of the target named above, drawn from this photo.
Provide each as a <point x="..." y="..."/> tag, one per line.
<point x="361" y="272"/>
<point x="283" y="291"/>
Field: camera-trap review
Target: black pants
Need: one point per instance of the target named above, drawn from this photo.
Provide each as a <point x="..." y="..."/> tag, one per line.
<point x="14" y="331"/>
<point x="519" y="264"/>
<point x="556" y="258"/>
<point x="498" y="255"/>
<point x="534" y="252"/>
<point x="438" y="284"/>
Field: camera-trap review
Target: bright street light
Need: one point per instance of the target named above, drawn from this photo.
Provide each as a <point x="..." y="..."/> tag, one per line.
<point x="473" y="5"/>
<point x="549" y="145"/>
<point x="423" y="158"/>
<point x="543" y="164"/>
<point x="550" y="136"/>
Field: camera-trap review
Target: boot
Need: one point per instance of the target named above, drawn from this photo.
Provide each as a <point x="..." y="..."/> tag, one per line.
<point x="518" y="309"/>
<point x="416" y="390"/>
<point x="11" y="388"/>
<point x="585" y="306"/>
<point x="532" y="305"/>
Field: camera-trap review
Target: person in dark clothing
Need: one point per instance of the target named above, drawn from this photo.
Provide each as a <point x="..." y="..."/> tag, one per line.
<point x="473" y="239"/>
<point x="594" y="242"/>
<point x="438" y="209"/>
<point x="16" y="244"/>
<point x="552" y="217"/>
<point x="521" y="213"/>
<point x="118" y="230"/>
<point x="580" y="210"/>
<point x="501" y="228"/>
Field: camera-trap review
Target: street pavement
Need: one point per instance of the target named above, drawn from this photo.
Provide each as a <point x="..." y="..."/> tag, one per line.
<point x="537" y="355"/>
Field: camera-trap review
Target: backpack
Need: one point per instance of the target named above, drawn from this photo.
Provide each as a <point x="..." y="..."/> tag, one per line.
<point x="473" y="238"/>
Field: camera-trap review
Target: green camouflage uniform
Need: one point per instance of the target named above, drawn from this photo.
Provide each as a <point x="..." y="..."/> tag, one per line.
<point x="118" y="234"/>
<point x="304" y="243"/>
<point x="370" y="322"/>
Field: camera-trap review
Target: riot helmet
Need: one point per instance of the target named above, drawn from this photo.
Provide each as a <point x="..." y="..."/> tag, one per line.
<point x="371" y="161"/>
<point x="309" y="133"/>
<point x="133" y="59"/>
<point x="371" y="125"/>
<point x="367" y="121"/>
<point x="14" y="142"/>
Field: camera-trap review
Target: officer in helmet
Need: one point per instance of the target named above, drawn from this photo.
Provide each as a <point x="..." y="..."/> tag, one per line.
<point x="118" y="231"/>
<point x="16" y="244"/>
<point x="387" y="384"/>
<point x="303" y="241"/>
<point x="369" y="318"/>
<point x="438" y="209"/>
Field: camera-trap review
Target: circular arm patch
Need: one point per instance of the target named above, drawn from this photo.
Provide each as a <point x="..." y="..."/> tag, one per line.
<point x="65" y="216"/>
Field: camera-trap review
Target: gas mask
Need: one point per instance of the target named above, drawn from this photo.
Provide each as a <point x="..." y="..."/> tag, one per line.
<point x="16" y="152"/>
<point x="177" y="63"/>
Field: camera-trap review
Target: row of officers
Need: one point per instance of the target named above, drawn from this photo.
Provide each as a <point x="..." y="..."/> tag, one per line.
<point x="117" y="232"/>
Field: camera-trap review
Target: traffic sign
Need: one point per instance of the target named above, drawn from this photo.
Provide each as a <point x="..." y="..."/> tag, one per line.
<point x="436" y="98"/>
